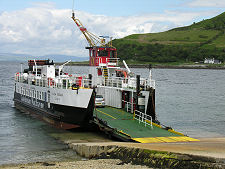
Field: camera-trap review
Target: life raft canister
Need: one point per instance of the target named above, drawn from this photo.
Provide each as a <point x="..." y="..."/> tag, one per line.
<point x="50" y="82"/>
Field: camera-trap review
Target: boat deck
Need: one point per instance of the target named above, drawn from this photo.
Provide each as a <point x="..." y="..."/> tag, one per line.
<point x="124" y="124"/>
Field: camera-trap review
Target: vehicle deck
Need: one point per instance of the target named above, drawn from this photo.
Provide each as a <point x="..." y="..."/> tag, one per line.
<point x="124" y="123"/>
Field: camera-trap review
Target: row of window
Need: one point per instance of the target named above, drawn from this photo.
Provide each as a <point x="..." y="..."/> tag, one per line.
<point x="31" y="93"/>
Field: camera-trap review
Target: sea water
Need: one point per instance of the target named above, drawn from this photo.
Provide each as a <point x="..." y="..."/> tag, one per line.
<point x="191" y="101"/>
<point x="24" y="139"/>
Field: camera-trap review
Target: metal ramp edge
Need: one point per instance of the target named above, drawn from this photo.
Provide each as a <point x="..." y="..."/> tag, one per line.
<point x="164" y="139"/>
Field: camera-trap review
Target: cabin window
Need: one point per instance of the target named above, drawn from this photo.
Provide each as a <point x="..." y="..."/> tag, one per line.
<point x="93" y="53"/>
<point x="31" y="93"/>
<point x="37" y="94"/>
<point x="99" y="72"/>
<point x="40" y="95"/>
<point x="112" y="54"/>
<point x="102" y="53"/>
<point x="43" y="96"/>
<point x="27" y="92"/>
<point x="17" y="89"/>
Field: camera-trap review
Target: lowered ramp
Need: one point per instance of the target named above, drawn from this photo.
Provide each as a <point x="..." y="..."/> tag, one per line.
<point x="121" y="124"/>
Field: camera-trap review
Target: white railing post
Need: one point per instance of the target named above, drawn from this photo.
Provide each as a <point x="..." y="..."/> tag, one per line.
<point x="142" y="117"/>
<point x="139" y="118"/>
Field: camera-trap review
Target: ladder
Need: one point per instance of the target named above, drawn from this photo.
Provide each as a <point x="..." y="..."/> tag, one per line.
<point x="105" y="72"/>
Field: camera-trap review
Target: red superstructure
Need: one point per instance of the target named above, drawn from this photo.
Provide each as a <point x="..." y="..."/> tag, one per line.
<point x="101" y="55"/>
<point x="100" y="51"/>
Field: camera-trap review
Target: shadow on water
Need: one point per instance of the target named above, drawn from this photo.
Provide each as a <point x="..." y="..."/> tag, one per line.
<point x="92" y="133"/>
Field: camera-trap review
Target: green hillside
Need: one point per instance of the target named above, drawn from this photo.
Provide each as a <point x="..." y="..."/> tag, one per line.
<point x="205" y="39"/>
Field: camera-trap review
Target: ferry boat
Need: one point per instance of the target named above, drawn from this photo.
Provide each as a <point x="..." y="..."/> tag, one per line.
<point x="68" y="100"/>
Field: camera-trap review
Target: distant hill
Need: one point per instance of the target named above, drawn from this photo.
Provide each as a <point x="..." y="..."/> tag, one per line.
<point x="205" y="39"/>
<point x="25" y="57"/>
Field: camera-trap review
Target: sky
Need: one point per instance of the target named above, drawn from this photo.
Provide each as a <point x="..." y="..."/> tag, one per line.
<point x="38" y="27"/>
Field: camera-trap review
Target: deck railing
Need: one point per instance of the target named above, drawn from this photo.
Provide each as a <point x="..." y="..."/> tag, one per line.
<point x="143" y="118"/>
<point x="107" y="61"/>
<point x="138" y="115"/>
<point x="112" y="61"/>
<point x="61" y="83"/>
<point x="121" y="82"/>
<point x="129" y="106"/>
<point x="66" y="81"/>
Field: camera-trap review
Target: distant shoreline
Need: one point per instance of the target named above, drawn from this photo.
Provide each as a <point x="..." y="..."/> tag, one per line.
<point x="216" y="67"/>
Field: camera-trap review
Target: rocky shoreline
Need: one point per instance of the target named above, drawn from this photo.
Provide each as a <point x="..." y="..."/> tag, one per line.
<point x="88" y="164"/>
<point x="207" y="153"/>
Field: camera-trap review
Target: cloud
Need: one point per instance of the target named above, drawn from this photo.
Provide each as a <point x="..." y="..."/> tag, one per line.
<point x="42" y="29"/>
<point x="207" y="3"/>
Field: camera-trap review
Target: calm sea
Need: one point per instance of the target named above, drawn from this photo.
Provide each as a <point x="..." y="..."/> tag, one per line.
<point x="190" y="101"/>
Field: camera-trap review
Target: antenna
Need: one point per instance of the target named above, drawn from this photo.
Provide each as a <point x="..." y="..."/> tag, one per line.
<point x="73" y="14"/>
<point x="73" y="7"/>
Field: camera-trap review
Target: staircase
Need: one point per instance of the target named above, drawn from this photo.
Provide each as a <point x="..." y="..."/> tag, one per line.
<point x="105" y="72"/>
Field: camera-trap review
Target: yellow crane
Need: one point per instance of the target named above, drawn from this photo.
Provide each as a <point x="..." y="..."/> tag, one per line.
<point x="100" y="51"/>
<point x="91" y="38"/>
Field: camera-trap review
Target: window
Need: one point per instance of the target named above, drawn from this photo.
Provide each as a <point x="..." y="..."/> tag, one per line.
<point x="102" y="53"/>
<point x="40" y="95"/>
<point x="43" y="96"/>
<point x="37" y="94"/>
<point x="27" y="92"/>
<point x="17" y="89"/>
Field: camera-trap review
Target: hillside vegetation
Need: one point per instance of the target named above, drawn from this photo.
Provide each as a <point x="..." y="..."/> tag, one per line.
<point x="205" y="39"/>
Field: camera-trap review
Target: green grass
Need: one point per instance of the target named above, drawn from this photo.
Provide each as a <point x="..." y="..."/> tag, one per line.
<point x="219" y="42"/>
<point x="171" y="37"/>
<point x="201" y="40"/>
<point x="77" y="63"/>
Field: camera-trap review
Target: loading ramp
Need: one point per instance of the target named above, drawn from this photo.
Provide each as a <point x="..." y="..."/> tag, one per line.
<point x="122" y="124"/>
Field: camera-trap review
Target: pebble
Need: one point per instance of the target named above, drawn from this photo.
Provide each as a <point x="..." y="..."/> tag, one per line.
<point x="89" y="164"/>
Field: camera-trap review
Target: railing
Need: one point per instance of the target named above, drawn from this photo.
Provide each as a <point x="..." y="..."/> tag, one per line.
<point x="144" y="118"/>
<point x="121" y="82"/>
<point x="62" y="83"/>
<point x="107" y="61"/>
<point x="112" y="61"/>
<point x="111" y="82"/>
<point x="129" y="106"/>
<point x="66" y="81"/>
<point x="138" y="115"/>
